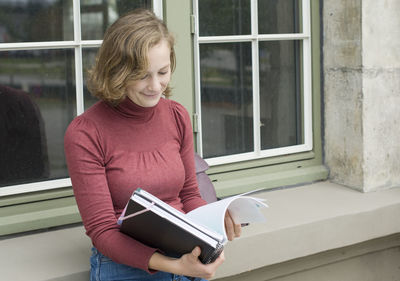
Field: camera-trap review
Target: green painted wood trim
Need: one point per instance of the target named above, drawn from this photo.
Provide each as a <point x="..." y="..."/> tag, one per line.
<point x="270" y="167"/>
<point x="35" y="196"/>
<point x="243" y="182"/>
<point x="38" y="215"/>
<point x="316" y="80"/>
<point x="244" y="165"/>
<point x="177" y="15"/>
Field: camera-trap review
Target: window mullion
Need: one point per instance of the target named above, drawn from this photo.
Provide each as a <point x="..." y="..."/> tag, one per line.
<point x="78" y="57"/>
<point x="79" y="80"/>
<point x="307" y="70"/>
<point x="199" y="139"/>
<point x="225" y="38"/>
<point x="158" y="8"/>
<point x="255" y="77"/>
<point x="254" y="18"/>
<point x="246" y="38"/>
<point x="36" y="45"/>
<point x="91" y="43"/>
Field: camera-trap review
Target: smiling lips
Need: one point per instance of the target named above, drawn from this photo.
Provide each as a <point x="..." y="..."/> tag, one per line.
<point x="150" y="95"/>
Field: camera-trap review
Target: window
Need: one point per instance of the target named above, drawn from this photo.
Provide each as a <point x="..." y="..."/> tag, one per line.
<point x="253" y="78"/>
<point x="45" y="49"/>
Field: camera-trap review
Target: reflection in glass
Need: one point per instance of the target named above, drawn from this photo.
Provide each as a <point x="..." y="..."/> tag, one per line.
<point x="97" y="15"/>
<point x="29" y="21"/>
<point x="37" y="102"/>
<point x="280" y="90"/>
<point x="278" y="16"/>
<point x="226" y="98"/>
<point x="224" y="17"/>
<point x="89" y="56"/>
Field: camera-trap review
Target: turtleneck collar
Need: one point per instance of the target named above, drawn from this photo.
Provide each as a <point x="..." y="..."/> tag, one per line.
<point x="129" y="109"/>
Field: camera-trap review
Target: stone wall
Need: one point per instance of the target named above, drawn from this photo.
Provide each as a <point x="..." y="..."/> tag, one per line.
<point x="373" y="260"/>
<point x="361" y="51"/>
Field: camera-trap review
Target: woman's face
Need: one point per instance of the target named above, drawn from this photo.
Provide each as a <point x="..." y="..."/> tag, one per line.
<point x="147" y="91"/>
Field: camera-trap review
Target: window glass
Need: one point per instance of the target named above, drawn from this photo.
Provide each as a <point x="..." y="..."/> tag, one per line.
<point x="226" y="98"/>
<point x="37" y="102"/>
<point x="224" y="17"/>
<point x="280" y="104"/>
<point x="88" y="57"/>
<point x="97" y="15"/>
<point x="28" y="21"/>
<point x="251" y="88"/>
<point x="278" y="16"/>
<point x="38" y="95"/>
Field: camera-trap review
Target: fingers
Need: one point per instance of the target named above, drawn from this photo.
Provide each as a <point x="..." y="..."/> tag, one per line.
<point x="196" y="252"/>
<point x="232" y="230"/>
<point x="191" y="265"/>
<point x="220" y="259"/>
<point x="238" y="229"/>
<point x="211" y="268"/>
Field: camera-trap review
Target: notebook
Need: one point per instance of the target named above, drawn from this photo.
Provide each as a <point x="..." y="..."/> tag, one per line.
<point x="156" y="224"/>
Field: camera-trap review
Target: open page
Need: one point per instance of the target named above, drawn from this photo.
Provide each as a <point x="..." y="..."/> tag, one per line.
<point x="243" y="209"/>
<point x="151" y="198"/>
<point x="181" y="223"/>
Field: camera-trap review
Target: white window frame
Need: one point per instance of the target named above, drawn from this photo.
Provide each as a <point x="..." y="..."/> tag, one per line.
<point x="77" y="45"/>
<point x="255" y="38"/>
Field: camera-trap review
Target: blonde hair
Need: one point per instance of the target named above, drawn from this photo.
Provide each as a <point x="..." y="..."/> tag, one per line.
<point x="122" y="57"/>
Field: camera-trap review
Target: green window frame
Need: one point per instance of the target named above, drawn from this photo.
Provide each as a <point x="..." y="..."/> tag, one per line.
<point x="43" y="209"/>
<point x="290" y="166"/>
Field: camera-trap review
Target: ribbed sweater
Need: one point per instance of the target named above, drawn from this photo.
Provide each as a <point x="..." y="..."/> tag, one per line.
<point x="111" y="151"/>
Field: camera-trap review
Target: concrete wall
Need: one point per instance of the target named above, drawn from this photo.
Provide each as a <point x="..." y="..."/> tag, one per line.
<point x="375" y="260"/>
<point x="322" y="231"/>
<point x="381" y="90"/>
<point x="361" y="43"/>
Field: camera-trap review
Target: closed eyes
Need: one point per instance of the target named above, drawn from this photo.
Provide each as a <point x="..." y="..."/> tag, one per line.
<point x="160" y="73"/>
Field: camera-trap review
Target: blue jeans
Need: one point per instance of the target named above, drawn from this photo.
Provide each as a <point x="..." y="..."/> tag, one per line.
<point x="103" y="268"/>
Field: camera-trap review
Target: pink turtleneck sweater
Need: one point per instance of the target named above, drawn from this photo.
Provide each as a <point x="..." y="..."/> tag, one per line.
<point x="111" y="151"/>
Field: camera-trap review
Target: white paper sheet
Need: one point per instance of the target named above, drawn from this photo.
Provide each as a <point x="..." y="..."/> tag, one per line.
<point x="243" y="209"/>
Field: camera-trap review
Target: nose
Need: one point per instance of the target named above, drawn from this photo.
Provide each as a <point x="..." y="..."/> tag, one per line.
<point x="155" y="84"/>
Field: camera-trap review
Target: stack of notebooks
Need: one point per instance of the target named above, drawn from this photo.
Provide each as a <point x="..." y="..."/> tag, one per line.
<point x="154" y="223"/>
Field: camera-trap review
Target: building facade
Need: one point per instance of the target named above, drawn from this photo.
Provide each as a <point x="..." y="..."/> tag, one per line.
<point x="296" y="98"/>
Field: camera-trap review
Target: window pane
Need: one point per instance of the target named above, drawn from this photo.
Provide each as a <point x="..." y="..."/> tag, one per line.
<point x="89" y="56"/>
<point x="37" y="102"/>
<point x="278" y="16"/>
<point x="29" y="21"/>
<point x="224" y="17"/>
<point x="97" y="15"/>
<point x="226" y="98"/>
<point x="280" y="102"/>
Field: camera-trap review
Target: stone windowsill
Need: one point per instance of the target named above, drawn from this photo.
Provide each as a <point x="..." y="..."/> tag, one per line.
<point x="302" y="221"/>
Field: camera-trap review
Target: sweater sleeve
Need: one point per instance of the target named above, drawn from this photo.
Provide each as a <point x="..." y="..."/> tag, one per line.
<point x="190" y="194"/>
<point x="86" y="165"/>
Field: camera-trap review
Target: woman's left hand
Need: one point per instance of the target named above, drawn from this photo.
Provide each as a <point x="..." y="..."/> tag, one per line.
<point x="232" y="230"/>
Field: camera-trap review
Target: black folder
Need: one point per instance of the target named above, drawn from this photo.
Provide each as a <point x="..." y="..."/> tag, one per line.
<point x="156" y="224"/>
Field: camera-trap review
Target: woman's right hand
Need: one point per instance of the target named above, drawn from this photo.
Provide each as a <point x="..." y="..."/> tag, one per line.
<point x="195" y="268"/>
<point x="188" y="265"/>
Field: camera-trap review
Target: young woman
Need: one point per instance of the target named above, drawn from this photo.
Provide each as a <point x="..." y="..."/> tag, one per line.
<point x="133" y="137"/>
